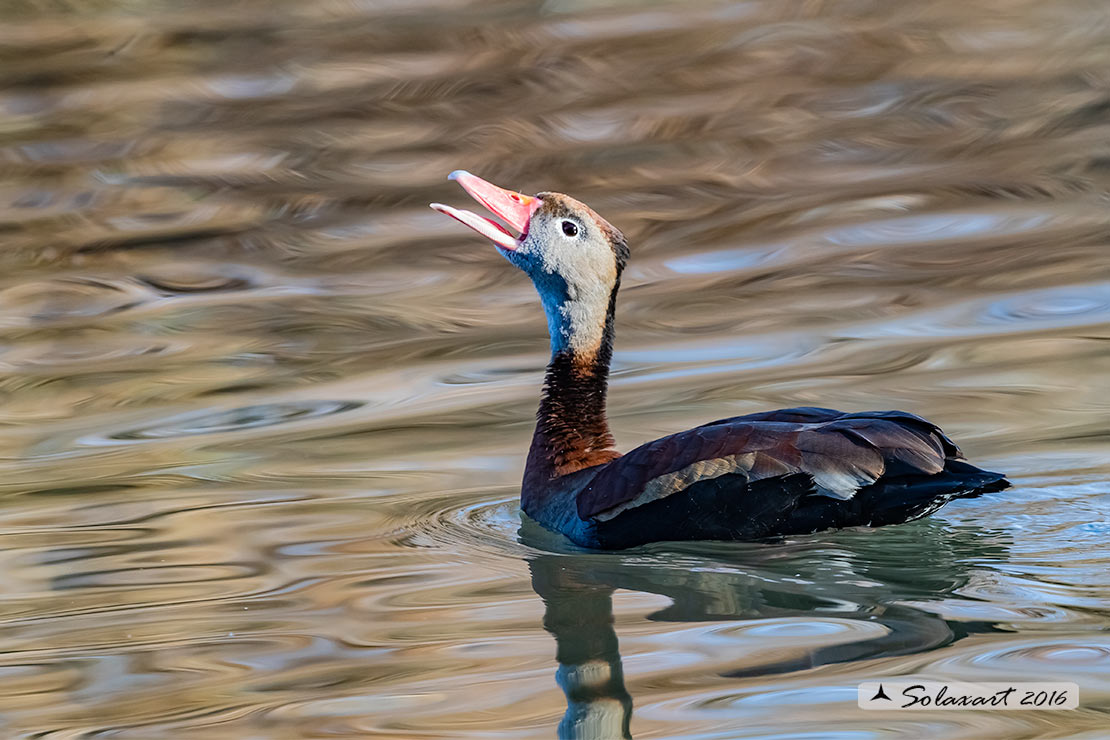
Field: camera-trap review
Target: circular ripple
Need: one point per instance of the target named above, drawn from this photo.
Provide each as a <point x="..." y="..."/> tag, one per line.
<point x="467" y="524"/>
<point x="186" y="278"/>
<point x="229" y="420"/>
<point x="68" y="300"/>
<point x="1052" y="305"/>
<point x="83" y="353"/>
<point x="1053" y="655"/>
<point x="1085" y="660"/>
<point x="936" y="227"/>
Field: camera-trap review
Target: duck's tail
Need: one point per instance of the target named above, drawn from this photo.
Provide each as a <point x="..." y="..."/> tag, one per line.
<point x="895" y="500"/>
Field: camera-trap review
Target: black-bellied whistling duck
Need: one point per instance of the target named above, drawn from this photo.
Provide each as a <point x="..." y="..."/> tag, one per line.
<point x="772" y="473"/>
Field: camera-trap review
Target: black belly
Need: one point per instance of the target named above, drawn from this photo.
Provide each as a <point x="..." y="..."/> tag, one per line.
<point x="730" y="508"/>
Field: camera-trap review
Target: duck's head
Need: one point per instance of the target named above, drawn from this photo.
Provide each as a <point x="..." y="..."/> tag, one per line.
<point x="574" y="256"/>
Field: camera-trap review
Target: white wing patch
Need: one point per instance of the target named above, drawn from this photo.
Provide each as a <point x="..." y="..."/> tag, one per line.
<point x="841" y="484"/>
<point x="665" y="485"/>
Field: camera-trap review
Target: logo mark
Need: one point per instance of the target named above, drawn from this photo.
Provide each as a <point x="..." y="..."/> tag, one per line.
<point x="880" y="694"/>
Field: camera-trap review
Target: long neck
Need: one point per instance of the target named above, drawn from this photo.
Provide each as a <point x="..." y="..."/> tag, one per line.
<point x="572" y="431"/>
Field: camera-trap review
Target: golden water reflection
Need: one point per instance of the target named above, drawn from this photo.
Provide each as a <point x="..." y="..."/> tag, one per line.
<point x="263" y="413"/>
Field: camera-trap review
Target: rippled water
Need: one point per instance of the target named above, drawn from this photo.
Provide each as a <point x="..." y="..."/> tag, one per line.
<point x="263" y="413"/>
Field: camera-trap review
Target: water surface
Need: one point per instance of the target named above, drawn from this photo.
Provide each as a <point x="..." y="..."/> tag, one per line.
<point x="263" y="413"/>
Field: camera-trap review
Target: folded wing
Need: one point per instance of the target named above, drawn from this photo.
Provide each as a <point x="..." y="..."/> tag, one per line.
<point x="841" y="452"/>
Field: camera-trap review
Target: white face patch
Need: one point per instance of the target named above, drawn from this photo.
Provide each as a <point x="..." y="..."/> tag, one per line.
<point x="585" y="272"/>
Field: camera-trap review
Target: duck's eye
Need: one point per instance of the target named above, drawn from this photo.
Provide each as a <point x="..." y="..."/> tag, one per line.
<point x="570" y="228"/>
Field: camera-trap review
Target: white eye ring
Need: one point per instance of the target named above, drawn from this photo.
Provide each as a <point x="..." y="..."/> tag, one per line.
<point x="569" y="228"/>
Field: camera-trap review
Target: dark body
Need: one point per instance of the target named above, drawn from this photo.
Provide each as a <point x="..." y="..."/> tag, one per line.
<point x="765" y="475"/>
<point x="768" y="474"/>
<point x="762" y="475"/>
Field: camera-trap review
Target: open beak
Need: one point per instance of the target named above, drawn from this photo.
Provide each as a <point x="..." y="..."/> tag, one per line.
<point x="513" y="208"/>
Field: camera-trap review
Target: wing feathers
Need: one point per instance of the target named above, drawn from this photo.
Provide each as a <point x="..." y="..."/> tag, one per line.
<point x="670" y="483"/>
<point x="905" y="450"/>
<point x="839" y="464"/>
<point x="841" y="452"/>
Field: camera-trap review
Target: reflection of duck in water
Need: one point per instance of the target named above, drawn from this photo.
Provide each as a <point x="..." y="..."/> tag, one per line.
<point x="835" y="600"/>
<point x="772" y="473"/>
